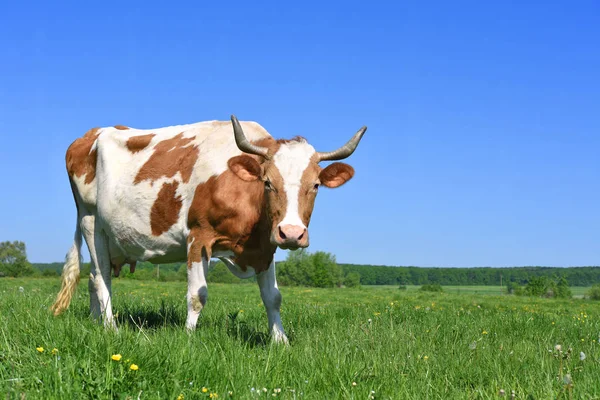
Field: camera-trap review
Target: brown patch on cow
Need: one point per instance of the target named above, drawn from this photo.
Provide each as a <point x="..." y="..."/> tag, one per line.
<point x="228" y="213"/>
<point x="166" y="208"/>
<point x="276" y="197"/>
<point x="121" y="127"/>
<point x="80" y="160"/>
<point x="308" y="193"/>
<point x="295" y="139"/>
<point x="269" y="143"/>
<point x="139" y="143"/>
<point x="200" y="243"/>
<point x="170" y="156"/>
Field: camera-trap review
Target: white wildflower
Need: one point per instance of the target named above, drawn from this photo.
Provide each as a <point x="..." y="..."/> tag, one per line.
<point x="582" y="356"/>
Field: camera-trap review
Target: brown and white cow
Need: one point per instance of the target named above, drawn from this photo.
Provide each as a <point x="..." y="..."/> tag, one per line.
<point x="192" y="192"/>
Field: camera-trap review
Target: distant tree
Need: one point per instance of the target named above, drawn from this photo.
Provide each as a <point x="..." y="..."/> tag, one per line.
<point x="302" y="268"/>
<point x="594" y="292"/>
<point x="50" y="273"/>
<point x="539" y="286"/>
<point x="511" y="287"/>
<point x="13" y="259"/>
<point x="352" y="279"/>
<point x="562" y="290"/>
<point x="546" y="287"/>
<point x="326" y="272"/>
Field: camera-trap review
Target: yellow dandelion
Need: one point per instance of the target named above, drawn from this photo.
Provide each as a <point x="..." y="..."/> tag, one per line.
<point x="552" y="322"/>
<point x="54" y="351"/>
<point x="425" y="358"/>
<point x="377" y="313"/>
<point x="213" y="395"/>
<point x="180" y="397"/>
<point x="582" y="339"/>
<point x="230" y="393"/>
<point x="40" y="349"/>
<point x="134" y="367"/>
<point x="116" y="357"/>
<point x="484" y="333"/>
<point x="204" y="390"/>
<point x="241" y="311"/>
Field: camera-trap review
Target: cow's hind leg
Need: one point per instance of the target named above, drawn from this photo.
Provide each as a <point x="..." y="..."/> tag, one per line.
<point x="271" y="298"/>
<point x="100" y="273"/>
<point x="197" y="293"/>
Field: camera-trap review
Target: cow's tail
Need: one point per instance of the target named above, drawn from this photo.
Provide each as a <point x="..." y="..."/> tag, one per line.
<point x="70" y="275"/>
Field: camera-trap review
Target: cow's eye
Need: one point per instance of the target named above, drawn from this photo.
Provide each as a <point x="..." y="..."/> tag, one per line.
<point x="316" y="187"/>
<point x="268" y="185"/>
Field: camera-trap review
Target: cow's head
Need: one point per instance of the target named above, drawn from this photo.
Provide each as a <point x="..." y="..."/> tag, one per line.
<point x="292" y="176"/>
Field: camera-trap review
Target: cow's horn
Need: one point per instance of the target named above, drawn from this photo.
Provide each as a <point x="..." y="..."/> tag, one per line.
<point x="242" y="143"/>
<point x="345" y="150"/>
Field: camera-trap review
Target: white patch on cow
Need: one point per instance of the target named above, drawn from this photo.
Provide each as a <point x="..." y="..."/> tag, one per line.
<point x="271" y="297"/>
<point x="292" y="159"/>
<point x="197" y="294"/>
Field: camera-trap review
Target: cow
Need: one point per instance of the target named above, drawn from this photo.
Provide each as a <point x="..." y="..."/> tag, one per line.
<point x="213" y="189"/>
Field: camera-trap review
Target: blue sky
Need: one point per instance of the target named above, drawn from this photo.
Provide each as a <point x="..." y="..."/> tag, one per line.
<point x="484" y="124"/>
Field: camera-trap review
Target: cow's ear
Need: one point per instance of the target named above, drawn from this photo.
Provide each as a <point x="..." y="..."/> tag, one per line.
<point x="245" y="167"/>
<point x="336" y="174"/>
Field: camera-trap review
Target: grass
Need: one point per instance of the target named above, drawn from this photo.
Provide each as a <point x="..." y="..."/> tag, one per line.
<point x="345" y="343"/>
<point x="578" y="291"/>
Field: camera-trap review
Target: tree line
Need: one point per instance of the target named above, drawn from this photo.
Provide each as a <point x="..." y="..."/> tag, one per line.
<point x="387" y="275"/>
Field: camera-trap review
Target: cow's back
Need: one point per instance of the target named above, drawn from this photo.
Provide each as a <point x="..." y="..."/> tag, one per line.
<point x="140" y="183"/>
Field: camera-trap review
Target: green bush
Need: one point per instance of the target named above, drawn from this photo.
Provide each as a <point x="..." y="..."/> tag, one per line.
<point x="545" y="287"/>
<point x="352" y="279"/>
<point x="511" y="287"/>
<point x="13" y="260"/>
<point x="594" y="292"/>
<point x="402" y="287"/>
<point x="562" y="290"/>
<point x="434" y="287"/>
<point x="50" y="272"/>
<point x="302" y="268"/>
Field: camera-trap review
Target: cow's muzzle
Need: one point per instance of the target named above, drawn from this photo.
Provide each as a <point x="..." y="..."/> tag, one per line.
<point x="290" y="237"/>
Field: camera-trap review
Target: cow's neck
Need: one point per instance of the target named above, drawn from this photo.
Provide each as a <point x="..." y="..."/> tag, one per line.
<point x="258" y="251"/>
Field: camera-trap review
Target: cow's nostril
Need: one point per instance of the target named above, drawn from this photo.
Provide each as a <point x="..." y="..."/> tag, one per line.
<point x="281" y="234"/>
<point x="301" y="236"/>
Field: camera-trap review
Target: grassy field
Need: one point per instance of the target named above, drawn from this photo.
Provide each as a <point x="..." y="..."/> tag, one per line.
<point x="345" y="343"/>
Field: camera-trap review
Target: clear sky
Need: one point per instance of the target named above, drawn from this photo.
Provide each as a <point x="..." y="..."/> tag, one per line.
<point x="484" y="117"/>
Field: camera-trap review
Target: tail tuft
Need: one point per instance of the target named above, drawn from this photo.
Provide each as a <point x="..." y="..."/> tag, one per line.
<point x="70" y="276"/>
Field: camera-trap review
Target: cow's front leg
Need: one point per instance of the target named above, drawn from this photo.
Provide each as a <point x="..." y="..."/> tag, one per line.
<point x="271" y="298"/>
<point x="197" y="293"/>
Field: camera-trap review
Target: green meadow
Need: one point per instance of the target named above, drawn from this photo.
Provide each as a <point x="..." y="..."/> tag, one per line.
<point x="349" y="343"/>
